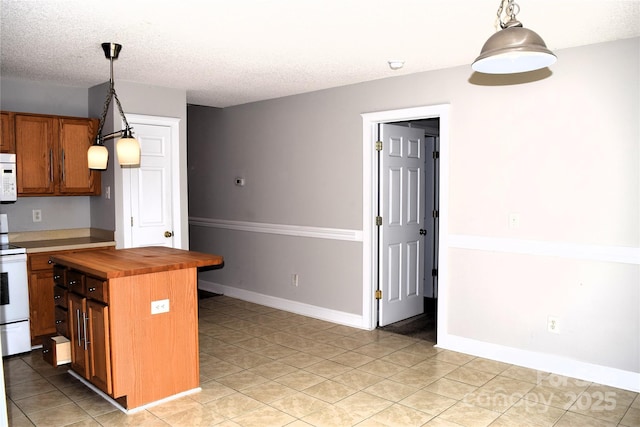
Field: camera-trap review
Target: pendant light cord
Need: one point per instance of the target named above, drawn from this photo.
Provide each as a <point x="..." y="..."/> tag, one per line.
<point x="111" y="95"/>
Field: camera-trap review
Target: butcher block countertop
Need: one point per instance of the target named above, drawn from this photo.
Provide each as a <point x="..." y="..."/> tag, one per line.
<point x="108" y="264"/>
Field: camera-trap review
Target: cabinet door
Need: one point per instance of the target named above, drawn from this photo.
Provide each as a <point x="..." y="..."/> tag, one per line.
<point x="7" y="138"/>
<point x="75" y="138"/>
<point x="34" y="154"/>
<point x="77" y="320"/>
<point x="99" y="348"/>
<point x="41" y="306"/>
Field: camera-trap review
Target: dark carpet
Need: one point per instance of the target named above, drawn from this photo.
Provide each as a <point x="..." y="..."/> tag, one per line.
<point x="422" y="326"/>
<point x="205" y="294"/>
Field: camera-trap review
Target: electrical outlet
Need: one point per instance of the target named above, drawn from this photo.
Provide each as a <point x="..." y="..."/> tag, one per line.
<point x="294" y="279"/>
<point x="514" y="220"/>
<point x="553" y="325"/>
<point x="37" y="215"/>
<point x="160" y="306"/>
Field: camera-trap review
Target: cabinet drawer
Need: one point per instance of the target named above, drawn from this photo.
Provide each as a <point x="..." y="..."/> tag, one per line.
<point x="97" y="289"/>
<point x="75" y="281"/>
<point x="56" y="351"/>
<point x="60" y="296"/>
<point x="58" y="276"/>
<point x="62" y="318"/>
<point x="40" y="262"/>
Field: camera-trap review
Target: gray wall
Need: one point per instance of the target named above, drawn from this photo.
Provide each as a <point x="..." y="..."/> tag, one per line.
<point x="84" y="211"/>
<point x="43" y="98"/>
<point x="562" y="151"/>
<point x="145" y="100"/>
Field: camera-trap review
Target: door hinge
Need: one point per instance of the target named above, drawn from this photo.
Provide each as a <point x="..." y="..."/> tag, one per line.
<point x="132" y="221"/>
<point x="378" y="221"/>
<point x="435" y="213"/>
<point x="378" y="145"/>
<point x="436" y="155"/>
<point x="434" y="272"/>
<point x="378" y="294"/>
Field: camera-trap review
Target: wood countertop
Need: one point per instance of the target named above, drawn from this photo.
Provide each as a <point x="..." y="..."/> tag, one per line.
<point x="107" y="264"/>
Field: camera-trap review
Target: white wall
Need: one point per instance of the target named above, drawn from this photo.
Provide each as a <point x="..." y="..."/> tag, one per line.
<point x="561" y="150"/>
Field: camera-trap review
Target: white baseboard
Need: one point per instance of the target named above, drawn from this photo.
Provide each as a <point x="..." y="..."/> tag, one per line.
<point x="543" y="362"/>
<point x="112" y="401"/>
<point x="550" y="363"/>
<point x="334" y="316"/>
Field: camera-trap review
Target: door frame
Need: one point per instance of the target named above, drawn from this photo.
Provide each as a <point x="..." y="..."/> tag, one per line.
<point x="123" y="209"/>
<point x="370" y="122"/>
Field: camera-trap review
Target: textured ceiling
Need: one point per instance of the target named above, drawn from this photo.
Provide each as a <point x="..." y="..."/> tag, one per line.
<point x="229" y="52"/>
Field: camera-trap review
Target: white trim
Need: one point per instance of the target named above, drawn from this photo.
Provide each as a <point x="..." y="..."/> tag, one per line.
<point x="334" y="316"/>
<point x="138" y="408"/>
<point x="369" y="123"/>
<point x="550" y="363"/>
<point x="123" y="233"/>
<point x="282" y="229"/>
<point x="620" y="254"/>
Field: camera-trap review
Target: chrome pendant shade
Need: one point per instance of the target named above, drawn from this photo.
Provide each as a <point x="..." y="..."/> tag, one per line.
<point x="127" y="147"/>
<point x="513" y="49"/>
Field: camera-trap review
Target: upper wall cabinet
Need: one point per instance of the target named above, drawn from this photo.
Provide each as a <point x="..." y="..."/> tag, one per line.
<point x="51" y="155"/>
<point x="7" y="138"/>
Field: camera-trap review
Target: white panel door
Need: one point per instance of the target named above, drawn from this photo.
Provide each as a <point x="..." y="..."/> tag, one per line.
<point x="401" y="266"/>
<point x="150" y="188"/>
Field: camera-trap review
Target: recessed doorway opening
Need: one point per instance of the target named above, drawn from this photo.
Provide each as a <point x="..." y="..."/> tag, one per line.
<point x="434" y="122"/>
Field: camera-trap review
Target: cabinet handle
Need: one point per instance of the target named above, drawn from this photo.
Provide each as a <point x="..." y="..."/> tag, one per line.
<point x="50" y="262"/>
<point x="51" y="165"/>
<point x="84" y="320"/>
<point x="92" y="289"/>
<point x="63" y="180"/>
<point x="58" y="322"/>
<point x="56" y="277"/>
<point x="45" y="351"/>
<point x="78" y="319"/>
<point x="72" y="282"/>
<point x="57" y="296"/>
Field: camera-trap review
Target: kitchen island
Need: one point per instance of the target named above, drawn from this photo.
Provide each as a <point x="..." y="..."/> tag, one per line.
<point x="133" y="320"/>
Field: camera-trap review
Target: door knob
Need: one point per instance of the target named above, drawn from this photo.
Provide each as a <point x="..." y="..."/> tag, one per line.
<point x="423" y="232"/>
<point x="168" y="234"/>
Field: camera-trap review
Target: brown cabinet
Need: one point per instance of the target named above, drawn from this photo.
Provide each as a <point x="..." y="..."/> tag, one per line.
<point x="7" y="138"/>
<point x="88" y="328"/>
<point x="47" y="296"/>
<point x="75" y="138"/>
<point x="133" y="320"/>
<point x="78" y="320"/>
<point x="34" y="154"/>
<point x="41" y="309"/>
<point x="99" y="348"/>
<point x="51" y="155"/>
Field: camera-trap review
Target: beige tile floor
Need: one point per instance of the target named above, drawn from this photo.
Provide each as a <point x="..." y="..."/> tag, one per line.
<point x="266" y="367"/>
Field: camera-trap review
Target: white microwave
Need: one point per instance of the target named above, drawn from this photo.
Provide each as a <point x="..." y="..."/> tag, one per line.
<point x="8" y="184"/>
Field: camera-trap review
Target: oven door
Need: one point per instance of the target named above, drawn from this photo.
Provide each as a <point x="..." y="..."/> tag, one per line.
<point x="14" y="289"/>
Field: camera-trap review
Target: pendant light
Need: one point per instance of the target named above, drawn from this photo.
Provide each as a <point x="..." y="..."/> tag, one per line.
<point x="513" y="49"/>
<point x="127" y="147"/>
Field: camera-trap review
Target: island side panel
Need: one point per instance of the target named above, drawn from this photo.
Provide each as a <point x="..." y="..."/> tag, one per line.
<point x="154" y="355"/>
